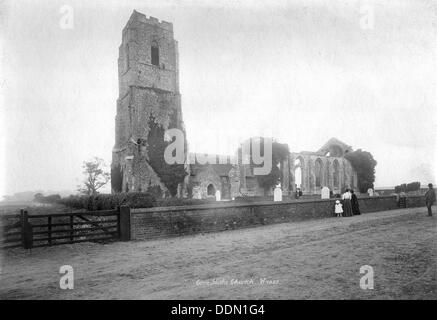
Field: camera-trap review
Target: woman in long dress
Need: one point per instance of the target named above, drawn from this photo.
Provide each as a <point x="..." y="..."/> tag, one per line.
<point x="347" y="205"/>
<point x="355" y="205"/>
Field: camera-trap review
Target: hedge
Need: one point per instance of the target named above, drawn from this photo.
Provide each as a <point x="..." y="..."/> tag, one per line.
<point x="172" y="202"/>
<point x="131" y="199"/>
<point x="110" y="201"/>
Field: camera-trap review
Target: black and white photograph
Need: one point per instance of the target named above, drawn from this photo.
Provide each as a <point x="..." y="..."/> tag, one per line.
<point x="218" y="150"/>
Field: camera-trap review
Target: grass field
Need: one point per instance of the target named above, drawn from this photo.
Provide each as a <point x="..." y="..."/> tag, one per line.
<point x="318" y="259"/>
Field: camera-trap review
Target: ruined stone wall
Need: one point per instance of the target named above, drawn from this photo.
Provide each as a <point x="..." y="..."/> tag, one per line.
<point x="346" y="175"/>
<point x="200" y="182"/>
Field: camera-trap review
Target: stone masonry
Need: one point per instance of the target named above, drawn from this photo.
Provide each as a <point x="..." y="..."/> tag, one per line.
<point x="149" y="96"/>
<point x="148" y="91"/>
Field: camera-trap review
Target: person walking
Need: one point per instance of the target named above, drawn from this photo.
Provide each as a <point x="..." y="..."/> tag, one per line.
<point x="355" y="205"/>
<point x="429" y="198"/>
<point x="347" y="205"/>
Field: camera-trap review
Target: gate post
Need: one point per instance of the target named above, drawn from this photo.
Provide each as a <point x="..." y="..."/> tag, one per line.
<point x="26" y="230"/>
<point x="124" y="223"/>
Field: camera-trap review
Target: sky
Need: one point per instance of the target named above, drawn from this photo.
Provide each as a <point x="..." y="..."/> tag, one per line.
<point x="300" y="71"/>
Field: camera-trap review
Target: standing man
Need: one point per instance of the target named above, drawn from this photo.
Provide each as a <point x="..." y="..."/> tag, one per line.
<point x="429" y="198"/>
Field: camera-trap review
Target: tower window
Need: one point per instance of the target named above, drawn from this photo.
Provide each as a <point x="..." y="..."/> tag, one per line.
<point x="155" y="55"/>
<point x="127" y="56"/>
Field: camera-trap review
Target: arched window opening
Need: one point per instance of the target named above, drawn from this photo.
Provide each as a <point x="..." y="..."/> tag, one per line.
<point x="336" y="174"/>
<point x="352" y="180"/>
<point x="298" y="175"/>
<point x="318" y="170"/>
<point x="298" y="164"/>
<point x="155" y="54"/>
<point x="127" y="65"/>
<point x="210" y="190"/>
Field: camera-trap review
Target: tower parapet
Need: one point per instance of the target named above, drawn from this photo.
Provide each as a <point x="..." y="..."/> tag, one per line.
<point x="140" y="17"/>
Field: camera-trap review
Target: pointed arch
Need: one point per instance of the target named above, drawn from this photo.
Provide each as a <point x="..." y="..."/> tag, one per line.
<point x="154" y="53"/>
<point x="299" y="172"/>
<point x="318" y="171"/>
<point x="336" y="173"/>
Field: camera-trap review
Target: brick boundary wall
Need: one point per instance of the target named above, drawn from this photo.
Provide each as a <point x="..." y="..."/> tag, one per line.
<point x="164" y="222"/>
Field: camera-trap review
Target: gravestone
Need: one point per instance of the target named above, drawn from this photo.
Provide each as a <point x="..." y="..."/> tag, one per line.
<point x="370" y="192"/>
<point x="197" y="194"/>
<point x="325" y="193"/>
<point x="218" y="196"/>
<point x="179" y="191"/>
<point x="277" y="194"/>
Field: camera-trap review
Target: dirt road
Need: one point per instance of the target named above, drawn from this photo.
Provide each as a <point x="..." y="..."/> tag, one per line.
<point x="317" y="259"/>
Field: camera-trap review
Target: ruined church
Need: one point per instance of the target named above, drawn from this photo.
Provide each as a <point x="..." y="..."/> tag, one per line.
<point x="149" y="103"/>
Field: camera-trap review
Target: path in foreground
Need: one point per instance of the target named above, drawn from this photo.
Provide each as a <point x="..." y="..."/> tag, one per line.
<point x="318" y="259"/>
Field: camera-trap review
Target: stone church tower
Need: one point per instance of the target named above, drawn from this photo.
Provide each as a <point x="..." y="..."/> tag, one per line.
<point x="149" y="101"/>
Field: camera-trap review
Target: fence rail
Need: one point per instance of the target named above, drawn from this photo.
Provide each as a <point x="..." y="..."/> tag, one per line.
<point x="32" y="231"/>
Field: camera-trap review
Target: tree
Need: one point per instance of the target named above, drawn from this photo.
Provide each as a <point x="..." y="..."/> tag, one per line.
<point x="364" y="165"/>
<point x="39" y="197"/>
<point x="413" y="186"/>
<point x="53" y="198"/>
<point x="96" y="176"/>
<point x="401" y="188"/>
<point x="171" y="175"/>
<point x="280" y="153"/>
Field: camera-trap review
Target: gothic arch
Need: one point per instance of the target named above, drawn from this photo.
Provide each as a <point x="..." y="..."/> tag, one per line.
<point x="154" y="53"/>
<point x="326" y="174"/>
<point x="299" y="172"/>
<point x="311" y="176"/>
<point x="318" y="172"/>
<point x="336" y="174"/>
<point x="346" y="174"/>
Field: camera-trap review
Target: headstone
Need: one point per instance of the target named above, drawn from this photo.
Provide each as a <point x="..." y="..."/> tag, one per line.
<point x="277" y="194"/>
<point x="196" y="193"/>
<point x="325" y="193"/>
<point x="218" y="196"/>
<point x="370" y="192"/>
<point x="179" y="191"/>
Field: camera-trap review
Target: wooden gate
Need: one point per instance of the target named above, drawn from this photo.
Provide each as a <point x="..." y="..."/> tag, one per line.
<point x="31" y="231"/>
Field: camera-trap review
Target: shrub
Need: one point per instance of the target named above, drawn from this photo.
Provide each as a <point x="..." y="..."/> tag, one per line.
<point x="280" y="153"/>
<point x="140" y="200"/>
<point x="172" y="202"/>
<point x="249" y="199"/>
<point x="136" y="200"/>
<point x="53" y="198"/>
<point x="413" y="186"/>
<point x="364" y="164"/>
<point x="156" y="191"/>
<point x="110" y="201"/>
